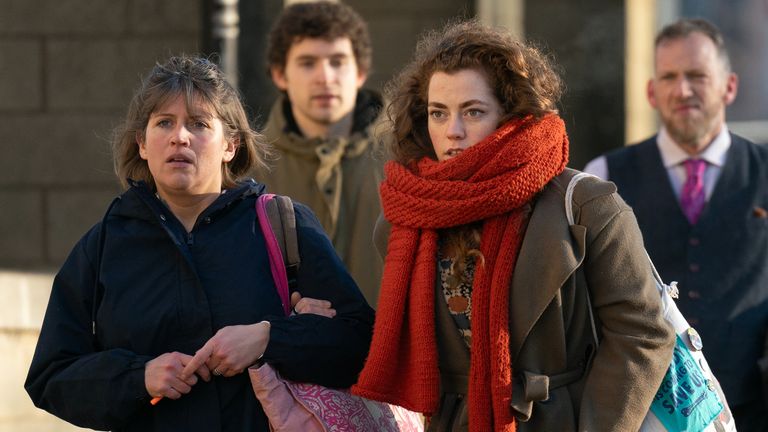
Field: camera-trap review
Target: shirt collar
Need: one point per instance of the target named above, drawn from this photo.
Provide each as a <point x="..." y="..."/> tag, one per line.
<point x="714" y="154"/>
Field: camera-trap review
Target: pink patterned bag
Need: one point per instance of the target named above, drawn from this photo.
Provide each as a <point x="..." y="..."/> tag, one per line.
<point x="306" y="407"/>
<point x="313" y="408"/>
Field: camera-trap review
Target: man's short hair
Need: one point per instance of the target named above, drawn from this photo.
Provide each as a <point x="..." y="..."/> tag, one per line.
<point x="685" y="26"/>
<point x="319" y="20"/>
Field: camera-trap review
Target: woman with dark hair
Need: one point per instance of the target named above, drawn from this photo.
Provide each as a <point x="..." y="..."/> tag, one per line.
<point x="178" y="264"/>
<point x="482" y="265"/>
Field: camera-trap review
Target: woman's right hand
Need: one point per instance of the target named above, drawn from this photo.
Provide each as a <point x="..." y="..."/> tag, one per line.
<point x="162" y="376"/>
<point x="230" y="350"/>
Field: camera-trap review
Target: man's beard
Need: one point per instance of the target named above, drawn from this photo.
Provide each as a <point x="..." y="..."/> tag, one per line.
<point x="690" y="131"/>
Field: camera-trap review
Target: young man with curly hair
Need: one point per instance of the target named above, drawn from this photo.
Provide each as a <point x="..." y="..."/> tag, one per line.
<point x="322" y="128"/>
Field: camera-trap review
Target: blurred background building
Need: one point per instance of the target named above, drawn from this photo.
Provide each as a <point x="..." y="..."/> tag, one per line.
<point x="68" y="69"/>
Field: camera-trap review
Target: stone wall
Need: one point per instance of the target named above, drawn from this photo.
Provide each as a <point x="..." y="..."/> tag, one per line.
<point x="68" y="70"/>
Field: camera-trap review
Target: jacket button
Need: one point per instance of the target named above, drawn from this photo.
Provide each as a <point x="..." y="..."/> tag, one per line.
<point x="693" y="267"/>
<point x="207" y="219"/>
<point x="693" y="294"/>
<point x="694" y="241"/>
<point x="162" y="217"/>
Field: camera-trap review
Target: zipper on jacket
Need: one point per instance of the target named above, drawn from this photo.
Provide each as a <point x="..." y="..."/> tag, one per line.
<point x="190" y="238"/>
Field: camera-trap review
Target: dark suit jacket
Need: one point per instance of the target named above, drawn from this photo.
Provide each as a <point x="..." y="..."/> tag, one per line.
<point x="721" y="263"/>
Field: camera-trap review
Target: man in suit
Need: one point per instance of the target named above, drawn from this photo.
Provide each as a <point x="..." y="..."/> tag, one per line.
<point x="700" y="194"/>
<point x="323" y="128"/>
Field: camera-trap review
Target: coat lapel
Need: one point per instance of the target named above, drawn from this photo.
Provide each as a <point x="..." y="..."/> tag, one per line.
<point x="550" y="253"/>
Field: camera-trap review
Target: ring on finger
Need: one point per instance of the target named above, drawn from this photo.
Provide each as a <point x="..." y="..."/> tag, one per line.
<point x="216" y="372"/>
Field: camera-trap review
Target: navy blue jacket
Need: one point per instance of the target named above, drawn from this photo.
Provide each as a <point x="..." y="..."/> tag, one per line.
<point x="162" y="290"/>
<point x="721" y="263"/>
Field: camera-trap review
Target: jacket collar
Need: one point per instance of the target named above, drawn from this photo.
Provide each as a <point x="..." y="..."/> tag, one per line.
<point x="140" y="197"/>
<point x="672" y="154"/>
<point x="368" y="105"/>
<point x="549" y="244"/>
<point x="282" y="131"/>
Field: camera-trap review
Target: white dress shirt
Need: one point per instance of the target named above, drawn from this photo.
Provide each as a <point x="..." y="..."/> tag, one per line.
<point x="672" y="156"/>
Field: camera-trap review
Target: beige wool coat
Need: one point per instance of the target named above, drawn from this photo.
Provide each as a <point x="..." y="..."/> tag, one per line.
<point x="561" y="382"/>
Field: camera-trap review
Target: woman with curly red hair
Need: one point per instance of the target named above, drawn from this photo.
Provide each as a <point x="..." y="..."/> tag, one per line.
<point x="484" y="313"/>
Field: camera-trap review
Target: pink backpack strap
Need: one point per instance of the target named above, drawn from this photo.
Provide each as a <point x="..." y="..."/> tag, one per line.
<point x="267" y="212"/>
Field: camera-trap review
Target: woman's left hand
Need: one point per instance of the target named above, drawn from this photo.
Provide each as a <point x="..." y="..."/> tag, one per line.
<point x="307" y="305"/>
<point x="230" y="351"/>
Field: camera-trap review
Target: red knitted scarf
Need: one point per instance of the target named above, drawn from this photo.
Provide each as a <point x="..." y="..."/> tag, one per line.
<point x="491" y="181"/>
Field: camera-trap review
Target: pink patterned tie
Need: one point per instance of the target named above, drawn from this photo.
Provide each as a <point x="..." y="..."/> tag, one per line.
<point x="692" y="197"/>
